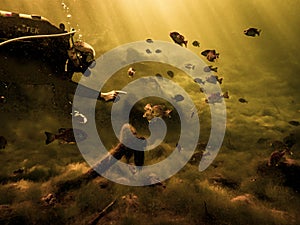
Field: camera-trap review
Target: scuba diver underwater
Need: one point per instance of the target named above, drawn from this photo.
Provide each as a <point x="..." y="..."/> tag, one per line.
<point x="25" y="37"/>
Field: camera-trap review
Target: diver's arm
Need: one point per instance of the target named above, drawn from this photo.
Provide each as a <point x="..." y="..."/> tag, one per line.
<point x="108" y="96"/>
<point x="86" y="92"/>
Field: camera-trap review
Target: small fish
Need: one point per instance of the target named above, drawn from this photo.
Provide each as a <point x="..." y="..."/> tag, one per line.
<point x="211" y="55"/>
<point x="196" y="43"/>
<point x="252" y="32"/>
<point x="178" y="98"/>
<point x="225" y="94"/>
<point x="199" y="81"/>
<point x="202" y="90"/>
<point x="149" y="40"/>
<point x="178" y="38"/>
<point x="242" y="100"/>
<point x="159" y="76"/>
<point x="66" y="135"/>
<point x="216" y="97"/>
<point x="189" y="66"/>
<point x="131" y="72"/>
<point x="294" y="123"/>
<point x="79" y="117"/>
<point x="3" y="142"/>
<point x="148" y="51"/>
<point x="156" y="111"/>
<point x="157" y="51"/>
<point x="170" y="73"/>
<point x="214" y="79"/>
<point x="210" y="68"/>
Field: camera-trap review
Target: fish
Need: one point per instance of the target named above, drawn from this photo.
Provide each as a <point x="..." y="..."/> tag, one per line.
<point x="242" y="100"/>
<point x="159" y="76"/>
<point x="170" y="73"/>
<point x="66" y="135"/>
<point x="199" y="81"/>
<point x="211" y="55"/>
<point x="189" y="66"/>
<point x="157" y="51"/>
<point x="178" y="98"/>
<point x="3" y="142"/>
<point x="214" y="79"/>
<point x="196" y="43"/>
<point x="294" y="123"/>
<point x="149" y="40"/>
<point x="210" y="68"/>
<point x="131" y="72"/>
<point x="156" y="111"/>
<point x="252" y="32"/>
<point x="178" y="38"/>
<point x="148" y="51"/>
<point x="216" y="97"/>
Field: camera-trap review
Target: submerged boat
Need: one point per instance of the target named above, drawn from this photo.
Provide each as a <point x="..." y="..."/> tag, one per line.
<point x="34" y="35"/>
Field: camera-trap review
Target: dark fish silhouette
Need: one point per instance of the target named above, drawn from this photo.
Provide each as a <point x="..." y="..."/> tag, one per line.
<point x="3" y="142"/>
<point x="66" y="135"/>
<point x="196" y="43"/>
<point x="170" y="73"/>
<point x="214" y="79"/>
<point x="242" y="100"/>
<point x="178" y="98"/>
<point x="157" y="51"/>
<point x="211" y="55"/>
<point x="294" y="123"/>
<point x="178" y="38"/>
<point x="199" y="81"/>
<point x="148" y="51"/>
<point x="149" y="40"/>
<point x="216" y="97"/>
<point x="210" y="68"/>
<point x="252" y="32"/>
<point x="159" y="76"/>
